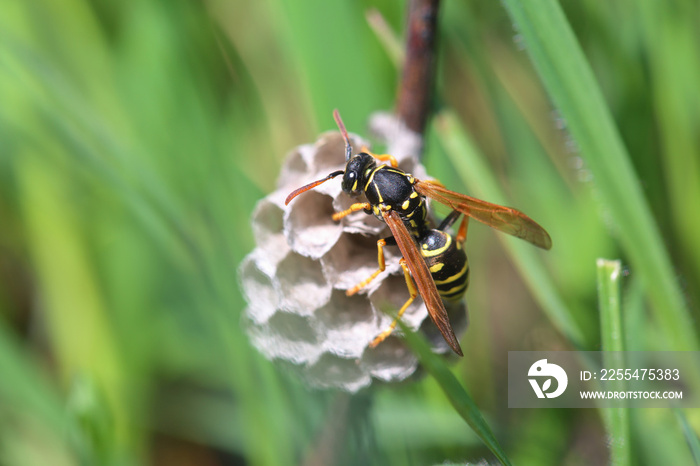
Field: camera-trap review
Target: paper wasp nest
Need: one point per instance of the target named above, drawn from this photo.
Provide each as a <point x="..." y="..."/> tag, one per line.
<point x="295" y="280"/>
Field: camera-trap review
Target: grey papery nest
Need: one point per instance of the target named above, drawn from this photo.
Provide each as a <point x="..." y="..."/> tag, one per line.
<point x="295" y="279"/>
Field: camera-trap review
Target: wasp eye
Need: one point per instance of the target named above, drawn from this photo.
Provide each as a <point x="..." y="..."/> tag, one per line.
<point x="349" y="182"/>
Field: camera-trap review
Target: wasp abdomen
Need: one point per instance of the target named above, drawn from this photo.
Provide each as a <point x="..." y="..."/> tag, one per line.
<point x="447" y="262"/>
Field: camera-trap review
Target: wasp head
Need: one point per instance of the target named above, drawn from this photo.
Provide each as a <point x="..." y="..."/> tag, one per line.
<point x="357" y="169"/>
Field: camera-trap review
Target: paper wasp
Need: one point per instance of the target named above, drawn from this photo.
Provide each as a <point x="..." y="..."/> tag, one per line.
<point x="399" y="199"/>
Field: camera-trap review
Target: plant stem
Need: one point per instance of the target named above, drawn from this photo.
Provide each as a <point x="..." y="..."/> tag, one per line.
<point x="617" y="420"/>
<point x="413" y="100"/>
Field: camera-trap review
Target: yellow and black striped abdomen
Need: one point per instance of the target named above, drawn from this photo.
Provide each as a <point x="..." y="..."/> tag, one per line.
<point x="447" y="262"/>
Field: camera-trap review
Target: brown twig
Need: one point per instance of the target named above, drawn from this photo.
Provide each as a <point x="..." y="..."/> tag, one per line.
<point x="413" y="101"/>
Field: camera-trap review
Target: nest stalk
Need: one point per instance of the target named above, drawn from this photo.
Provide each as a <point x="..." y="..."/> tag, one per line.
<point x="416" y="85"/>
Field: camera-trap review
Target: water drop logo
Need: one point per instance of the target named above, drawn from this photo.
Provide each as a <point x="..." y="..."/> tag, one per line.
<point x="542" y="369"/>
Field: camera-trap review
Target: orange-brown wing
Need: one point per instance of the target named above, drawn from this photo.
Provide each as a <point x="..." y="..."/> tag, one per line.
<point x="424" y="281"/>
<point x="501" y="218"/>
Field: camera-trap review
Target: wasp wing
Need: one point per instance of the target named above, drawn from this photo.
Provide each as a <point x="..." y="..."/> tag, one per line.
<point x="501" y="218"/>
<point x="421" y="275"/>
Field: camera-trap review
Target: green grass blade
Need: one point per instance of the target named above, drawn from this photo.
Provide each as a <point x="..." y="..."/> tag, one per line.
<point x="458" y="396"/>
<point x="669" y="35"/>
<point x="570" y="83"/>
<point x="616" y="419"/>
<point x="609" y="274"/>
<point x="72" y="300"/>
<point x="690" y="436"/>
<point x="30" y="391"/>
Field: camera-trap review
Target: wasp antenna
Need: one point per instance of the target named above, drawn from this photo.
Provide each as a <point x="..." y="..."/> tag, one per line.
<point x="344" y="132"/>
<point x="303" y="189"/>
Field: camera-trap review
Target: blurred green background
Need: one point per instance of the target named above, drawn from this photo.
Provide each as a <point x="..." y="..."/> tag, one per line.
<point x="136" y="137"/>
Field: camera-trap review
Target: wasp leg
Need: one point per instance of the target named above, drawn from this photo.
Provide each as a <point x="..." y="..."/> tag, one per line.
<point x="413" y="291"/>
<point x="353" y="208"/>
<point x="462" y="232"/>
<point x="449" y="220"/>
<point x="380" y="258"/>
<point x="382" y="157"/>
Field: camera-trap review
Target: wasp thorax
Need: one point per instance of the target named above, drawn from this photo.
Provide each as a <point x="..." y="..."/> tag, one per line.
<point x="354" y="178"/>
